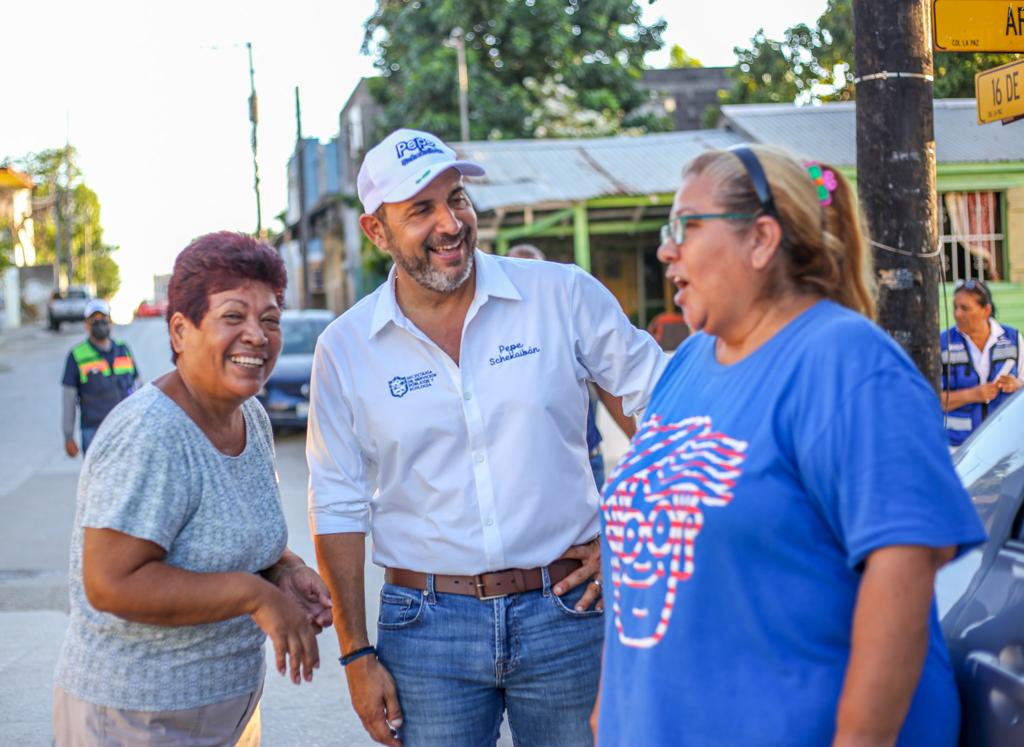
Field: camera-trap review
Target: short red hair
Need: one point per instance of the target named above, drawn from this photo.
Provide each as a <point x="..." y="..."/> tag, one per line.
<point x="218" y="262"/>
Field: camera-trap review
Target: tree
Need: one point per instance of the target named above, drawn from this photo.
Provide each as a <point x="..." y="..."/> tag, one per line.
<point x="814" y="64"/>
<point x="59" y="183"/>
<point x="679" y="59"/>
<point x="552" y="68"/>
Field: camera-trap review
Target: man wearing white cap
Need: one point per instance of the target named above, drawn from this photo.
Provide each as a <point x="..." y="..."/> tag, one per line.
<point x="99" y="373"/>
<point x="447" y="418"/>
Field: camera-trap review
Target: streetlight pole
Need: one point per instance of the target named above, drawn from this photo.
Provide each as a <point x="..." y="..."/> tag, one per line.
<point x="457" y="39"/>
<point x="300" y="154"/>
<point x="254" y="118"/>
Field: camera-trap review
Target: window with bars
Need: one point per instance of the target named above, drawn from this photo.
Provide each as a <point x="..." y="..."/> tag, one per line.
<point x="972" y="238"/>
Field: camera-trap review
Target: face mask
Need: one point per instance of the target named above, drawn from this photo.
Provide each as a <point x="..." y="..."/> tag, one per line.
<point x="100" y="330"/>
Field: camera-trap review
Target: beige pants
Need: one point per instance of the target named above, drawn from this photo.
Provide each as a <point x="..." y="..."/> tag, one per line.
<point x="77" y="723"/>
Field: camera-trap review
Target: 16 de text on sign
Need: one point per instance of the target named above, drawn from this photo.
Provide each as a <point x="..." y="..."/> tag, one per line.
<point x="1000" y="92"/>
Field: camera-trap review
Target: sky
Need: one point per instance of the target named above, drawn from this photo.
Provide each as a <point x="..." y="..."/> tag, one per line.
<point x="154" y="98"/>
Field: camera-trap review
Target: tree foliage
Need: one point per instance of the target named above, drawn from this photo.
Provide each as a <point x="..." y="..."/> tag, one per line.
<point x="815" y="63"/>
<point x="678" y="58"/>
<point x="60" y="184"/>
<point x="537" y="68"/>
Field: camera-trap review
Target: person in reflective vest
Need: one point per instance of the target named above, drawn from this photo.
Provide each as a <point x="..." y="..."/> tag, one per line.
<point x="99" y="373"/>
<point x="981" y="361"/>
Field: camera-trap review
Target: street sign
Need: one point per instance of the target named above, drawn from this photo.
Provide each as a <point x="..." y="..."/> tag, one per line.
<point x="978" y="25"/>
<point x="1000" y="92"/>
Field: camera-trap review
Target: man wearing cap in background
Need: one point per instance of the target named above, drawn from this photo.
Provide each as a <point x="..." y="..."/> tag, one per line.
<point x="99" y="373"/>
<point x="447" y="419"/>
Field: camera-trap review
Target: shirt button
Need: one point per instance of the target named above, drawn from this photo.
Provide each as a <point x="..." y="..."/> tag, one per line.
<point x="489" y="522"/>
<point x="479" y="458"/>
<point x="467" y="396"/>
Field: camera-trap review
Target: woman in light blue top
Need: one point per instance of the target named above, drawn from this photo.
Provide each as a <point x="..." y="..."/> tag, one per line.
<point x="179" y="565"/>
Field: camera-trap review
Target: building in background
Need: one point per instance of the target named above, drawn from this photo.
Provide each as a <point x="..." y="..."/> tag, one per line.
<point x="684" y="94"/>
<point x="16" y="240"/>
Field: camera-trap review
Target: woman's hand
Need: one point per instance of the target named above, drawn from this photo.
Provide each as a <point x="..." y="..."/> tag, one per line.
<point x="988" y="391"/>
<point x="304" y="585"/>
<point x="1007" y="384"/>
<point x="291" y="632"/>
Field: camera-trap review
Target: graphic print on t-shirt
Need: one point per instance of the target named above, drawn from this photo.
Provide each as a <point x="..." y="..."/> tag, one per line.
<point x="653" y="514"/>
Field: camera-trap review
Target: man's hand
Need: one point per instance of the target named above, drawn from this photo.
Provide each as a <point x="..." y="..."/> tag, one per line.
<point x="71" y="447"/>
<point x="375" y="699"/>
<point x="304" y="585"/>
<point x="590" y="555"/>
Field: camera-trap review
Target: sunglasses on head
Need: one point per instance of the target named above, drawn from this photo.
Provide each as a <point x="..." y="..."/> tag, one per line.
<point x="974" y="285"/>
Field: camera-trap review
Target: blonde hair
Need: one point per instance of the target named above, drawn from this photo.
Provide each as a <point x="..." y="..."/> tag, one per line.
<point x="824" y="248"/>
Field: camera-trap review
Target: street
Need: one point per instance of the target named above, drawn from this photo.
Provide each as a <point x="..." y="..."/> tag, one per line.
<point x="37" y="503"/>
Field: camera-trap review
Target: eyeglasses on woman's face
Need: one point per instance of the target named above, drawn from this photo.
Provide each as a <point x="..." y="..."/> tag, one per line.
<point x="675" y="229"/>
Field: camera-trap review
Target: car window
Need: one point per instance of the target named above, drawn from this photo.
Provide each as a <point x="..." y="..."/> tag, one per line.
<point x="991" y="462"/>
<point x="77" y="294"/>
<point x="299" y="335"/>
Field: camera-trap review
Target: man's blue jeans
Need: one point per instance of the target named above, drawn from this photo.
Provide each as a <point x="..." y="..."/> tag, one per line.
<point x="87" y="436"/>
<point x="459" y="662"/>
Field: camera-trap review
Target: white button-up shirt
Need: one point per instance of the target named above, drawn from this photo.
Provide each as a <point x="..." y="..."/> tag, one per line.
<point x="480" y="466"/>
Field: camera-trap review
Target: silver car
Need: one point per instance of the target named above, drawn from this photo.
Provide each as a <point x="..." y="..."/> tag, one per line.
<point x="980" y="596"/>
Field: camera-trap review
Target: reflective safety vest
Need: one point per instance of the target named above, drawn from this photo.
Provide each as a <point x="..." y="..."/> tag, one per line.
<point x="102" y="385"/>
<point x="958" y="373"/>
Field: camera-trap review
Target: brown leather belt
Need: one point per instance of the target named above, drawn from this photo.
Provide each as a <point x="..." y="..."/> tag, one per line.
<point x="487" y="585"/>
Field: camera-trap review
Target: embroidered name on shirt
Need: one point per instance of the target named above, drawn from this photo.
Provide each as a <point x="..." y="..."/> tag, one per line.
<point x="402" y="385"/>
<point x="515" y="350"/>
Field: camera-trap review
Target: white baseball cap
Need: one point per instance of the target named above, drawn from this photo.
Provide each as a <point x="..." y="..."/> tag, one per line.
<point x="402" y="164"/>
<point x="97" y="305"/>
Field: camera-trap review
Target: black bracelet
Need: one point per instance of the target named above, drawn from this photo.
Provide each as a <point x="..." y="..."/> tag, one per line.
<point x="357" y="654"/>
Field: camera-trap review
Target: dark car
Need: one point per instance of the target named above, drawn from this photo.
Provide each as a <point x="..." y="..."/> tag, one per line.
<point x="286" y="393"/>
<point x="980" y="596"/>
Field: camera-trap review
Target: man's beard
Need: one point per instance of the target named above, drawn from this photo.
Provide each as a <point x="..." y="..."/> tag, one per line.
<point x="420" y="269"/>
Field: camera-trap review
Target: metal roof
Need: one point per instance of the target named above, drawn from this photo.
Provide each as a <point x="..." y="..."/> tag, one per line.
<point x="537" y="172"/>
<point x="827" y="132"/>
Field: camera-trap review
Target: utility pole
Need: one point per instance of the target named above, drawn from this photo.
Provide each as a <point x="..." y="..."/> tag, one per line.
<point x="896" y="169"/>
<point x="67" y="217"/>
<point x="457" y="39"/>
<point x="300" y="155"/>
<point x="254" y="118"/>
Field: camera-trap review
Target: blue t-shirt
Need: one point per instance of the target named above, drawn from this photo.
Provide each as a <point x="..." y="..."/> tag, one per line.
<point x="736" y="527"/>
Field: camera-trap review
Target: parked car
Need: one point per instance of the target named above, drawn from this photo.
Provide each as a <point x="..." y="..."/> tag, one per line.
<point x="286" y="393"/>
<point x="151" y="309"/>
<point x="67" y="307"/>
<point x="980" y="596"/>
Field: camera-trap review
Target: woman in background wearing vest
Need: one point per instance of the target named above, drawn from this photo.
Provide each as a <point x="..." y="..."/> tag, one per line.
<point x="981" y="361"/>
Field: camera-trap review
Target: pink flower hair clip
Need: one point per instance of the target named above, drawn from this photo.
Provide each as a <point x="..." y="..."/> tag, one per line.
<point x="824" y="180"/>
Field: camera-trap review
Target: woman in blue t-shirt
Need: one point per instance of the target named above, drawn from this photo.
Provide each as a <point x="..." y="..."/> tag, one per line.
<point x="773" y="533"/>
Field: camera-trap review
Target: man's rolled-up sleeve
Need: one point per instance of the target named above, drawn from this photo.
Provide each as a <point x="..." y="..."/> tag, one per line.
<point x="623" y="360"/>
<point x="341" y="478"/>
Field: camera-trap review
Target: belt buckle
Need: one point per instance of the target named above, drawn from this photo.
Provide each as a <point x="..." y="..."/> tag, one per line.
<point x="478" y="581"/>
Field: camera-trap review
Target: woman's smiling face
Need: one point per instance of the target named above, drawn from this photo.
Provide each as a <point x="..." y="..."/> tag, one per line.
<point x="233" y="350"/>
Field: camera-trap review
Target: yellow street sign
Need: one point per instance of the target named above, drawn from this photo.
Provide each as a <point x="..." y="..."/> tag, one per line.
<point x="978" y="25"/>
<point x="1000" y="92"/>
